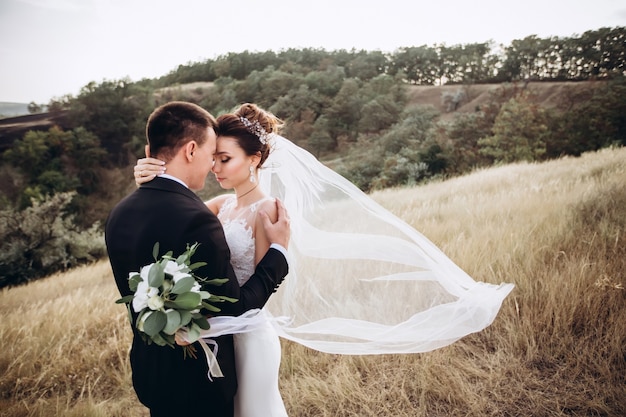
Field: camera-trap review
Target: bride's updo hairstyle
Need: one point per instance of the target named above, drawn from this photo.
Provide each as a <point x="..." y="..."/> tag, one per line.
<point x="252" y="127"/>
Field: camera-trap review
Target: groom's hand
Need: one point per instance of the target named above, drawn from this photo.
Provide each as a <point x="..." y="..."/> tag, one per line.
<point x="180" y="340"/>
<point x="279" y="232"/>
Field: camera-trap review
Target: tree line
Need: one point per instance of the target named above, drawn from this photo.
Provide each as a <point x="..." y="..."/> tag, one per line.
<point x="347" y="107"/>
<point x="594" y="54"/>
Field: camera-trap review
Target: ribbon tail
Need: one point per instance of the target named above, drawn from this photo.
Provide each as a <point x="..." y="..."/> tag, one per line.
<point x="211" y="358"/>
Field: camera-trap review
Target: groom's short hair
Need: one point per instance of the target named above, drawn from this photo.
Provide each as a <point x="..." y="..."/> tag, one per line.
<point x="174" y="124"/>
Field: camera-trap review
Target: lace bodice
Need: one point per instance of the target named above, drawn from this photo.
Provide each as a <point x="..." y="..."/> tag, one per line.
<point x="239" y="231"/>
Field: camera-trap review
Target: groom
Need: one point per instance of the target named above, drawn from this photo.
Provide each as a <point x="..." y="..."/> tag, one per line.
<point x="165" y="210"/>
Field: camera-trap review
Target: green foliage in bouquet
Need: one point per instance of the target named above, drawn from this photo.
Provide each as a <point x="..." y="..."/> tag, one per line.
<point x="168" y="296"/>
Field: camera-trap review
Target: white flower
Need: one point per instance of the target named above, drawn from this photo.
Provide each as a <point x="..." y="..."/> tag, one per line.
<point x="144" y="272"/>
<point x="175" y="270"/>
<point x="155" y="302"/>
<point x="142" y="295"/>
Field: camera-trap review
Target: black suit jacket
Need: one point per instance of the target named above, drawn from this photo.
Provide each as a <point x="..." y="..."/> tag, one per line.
<point x="165" y="211"/>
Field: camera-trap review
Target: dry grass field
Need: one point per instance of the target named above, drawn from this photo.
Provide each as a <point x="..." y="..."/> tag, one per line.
<point x="558" y="347"/>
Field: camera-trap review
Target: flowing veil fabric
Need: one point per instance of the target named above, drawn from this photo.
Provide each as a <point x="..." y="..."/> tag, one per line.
<point x="362" y="281"/>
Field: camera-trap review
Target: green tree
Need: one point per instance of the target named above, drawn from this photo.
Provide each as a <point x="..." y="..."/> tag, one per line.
<point x="116" y="112"/>
<point x="421" y="65"/>
<point x="519" y="132"/>
<point x="34" y="107"/>
<point x="320" y="140"/>
<point x="56" y="161"/>
<point x="327" y="82"/>
<point x="367" y="65"/>
<point x="344" y="112"/>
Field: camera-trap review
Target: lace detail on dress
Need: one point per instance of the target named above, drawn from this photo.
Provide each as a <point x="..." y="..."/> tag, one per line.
<point x="239" y="236"/>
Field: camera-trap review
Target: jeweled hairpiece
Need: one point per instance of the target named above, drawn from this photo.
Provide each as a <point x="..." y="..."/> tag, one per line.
<point x="256" y="129"/>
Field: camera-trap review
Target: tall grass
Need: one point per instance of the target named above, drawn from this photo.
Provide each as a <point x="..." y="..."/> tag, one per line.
<point x="557" y="348"/>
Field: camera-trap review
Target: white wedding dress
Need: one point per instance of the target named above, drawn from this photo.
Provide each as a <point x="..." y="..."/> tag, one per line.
<point x="257" y="353"/>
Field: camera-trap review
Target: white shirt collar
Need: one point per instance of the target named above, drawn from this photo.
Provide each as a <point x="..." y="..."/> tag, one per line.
<point x="174" y="179"/>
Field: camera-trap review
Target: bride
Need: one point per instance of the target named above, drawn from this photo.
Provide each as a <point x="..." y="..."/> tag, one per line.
<point x="361" y="280"/>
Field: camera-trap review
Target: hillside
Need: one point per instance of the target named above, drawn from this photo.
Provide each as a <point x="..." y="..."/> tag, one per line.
<point x="548" y="94"/>
<point x="556" y="348"/>
<point x="12" y="128"/>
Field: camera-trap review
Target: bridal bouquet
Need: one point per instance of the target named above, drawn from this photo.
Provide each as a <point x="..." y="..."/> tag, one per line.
<point x="169" y="297"/>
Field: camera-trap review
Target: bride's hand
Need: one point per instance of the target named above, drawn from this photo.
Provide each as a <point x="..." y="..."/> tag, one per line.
<point x="148" y="168"/>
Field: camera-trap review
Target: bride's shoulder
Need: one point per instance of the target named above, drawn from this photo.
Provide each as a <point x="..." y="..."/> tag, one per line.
<point x="268" y="205"/>
<point x="216" y="203"/>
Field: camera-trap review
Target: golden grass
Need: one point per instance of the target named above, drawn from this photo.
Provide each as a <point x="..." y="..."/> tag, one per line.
<point x="557" y="348"/>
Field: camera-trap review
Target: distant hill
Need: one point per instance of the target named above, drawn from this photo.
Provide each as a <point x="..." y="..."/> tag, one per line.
<point x="12" y="128"/>
<point x="12" y="109"/>
<point x="547" y="94"/>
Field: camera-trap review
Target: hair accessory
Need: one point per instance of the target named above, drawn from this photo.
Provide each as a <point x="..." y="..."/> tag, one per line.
<point x="256" y="129"/>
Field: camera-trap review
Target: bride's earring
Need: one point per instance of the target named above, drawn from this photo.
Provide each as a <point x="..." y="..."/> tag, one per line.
<point x="252" y="177"/>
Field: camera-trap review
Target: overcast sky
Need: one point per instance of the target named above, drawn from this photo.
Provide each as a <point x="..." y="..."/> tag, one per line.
<point x="49" y="48"/>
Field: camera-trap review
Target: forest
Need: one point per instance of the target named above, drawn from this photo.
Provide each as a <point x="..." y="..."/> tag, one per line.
<point x="351" y="109"/>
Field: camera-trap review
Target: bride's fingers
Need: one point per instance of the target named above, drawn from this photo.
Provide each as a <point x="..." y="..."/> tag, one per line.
<point x="150" y="161"/>
<point x="149" y="169"/>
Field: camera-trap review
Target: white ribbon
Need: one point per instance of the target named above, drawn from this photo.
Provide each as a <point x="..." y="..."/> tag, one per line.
<point x="223" y="325"/>
<point x="211" y="358"/>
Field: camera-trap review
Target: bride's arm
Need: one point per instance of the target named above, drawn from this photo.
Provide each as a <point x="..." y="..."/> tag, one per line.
<point x="261" y="242"/>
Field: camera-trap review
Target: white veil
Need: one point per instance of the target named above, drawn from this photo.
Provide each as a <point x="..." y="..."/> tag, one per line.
<point x="362" y="281"/>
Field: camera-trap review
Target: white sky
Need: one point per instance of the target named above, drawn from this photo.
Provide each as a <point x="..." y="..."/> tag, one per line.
<point x="49" y="48"/>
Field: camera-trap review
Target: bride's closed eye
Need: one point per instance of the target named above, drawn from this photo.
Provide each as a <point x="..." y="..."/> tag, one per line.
<point x="225" y="159"/>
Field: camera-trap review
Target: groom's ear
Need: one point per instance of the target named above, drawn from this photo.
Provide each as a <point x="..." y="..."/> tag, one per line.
<point x="188" y="149"/>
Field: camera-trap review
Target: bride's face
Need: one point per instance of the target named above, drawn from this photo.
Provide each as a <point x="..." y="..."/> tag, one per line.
<point x="232" y="165"/>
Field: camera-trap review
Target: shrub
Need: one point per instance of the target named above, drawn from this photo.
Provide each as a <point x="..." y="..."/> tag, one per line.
<point x="43" y="239"/>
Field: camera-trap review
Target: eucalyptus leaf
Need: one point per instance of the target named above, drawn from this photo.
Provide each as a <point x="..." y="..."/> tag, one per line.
<point x="159" y="340"/>
<point x="193" y="332"/>
<point x="155" y="251"/>
<point x="173" y="322"/>
<point x="222" y="298"/>
<point x="210" y="307"/>
<point x="185" y="317"/>
<point x="156" y="275"/>
<point x="154" y="323"/>
<point x="181" y="259"/>
<point x="192" y="249"/>
<point x="125" y="300"/>
<point x="216" y="281"/>
<point x="202" y="323"/>
<point x="188" y="300"/>
<point x="183" y="285"/>
<point x="196" y="265"/>
<point x="130" y="314"/>
<point x="134" y="281"/>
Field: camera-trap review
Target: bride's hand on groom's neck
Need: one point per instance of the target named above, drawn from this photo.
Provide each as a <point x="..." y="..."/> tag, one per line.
<point x="147" y="169"/>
